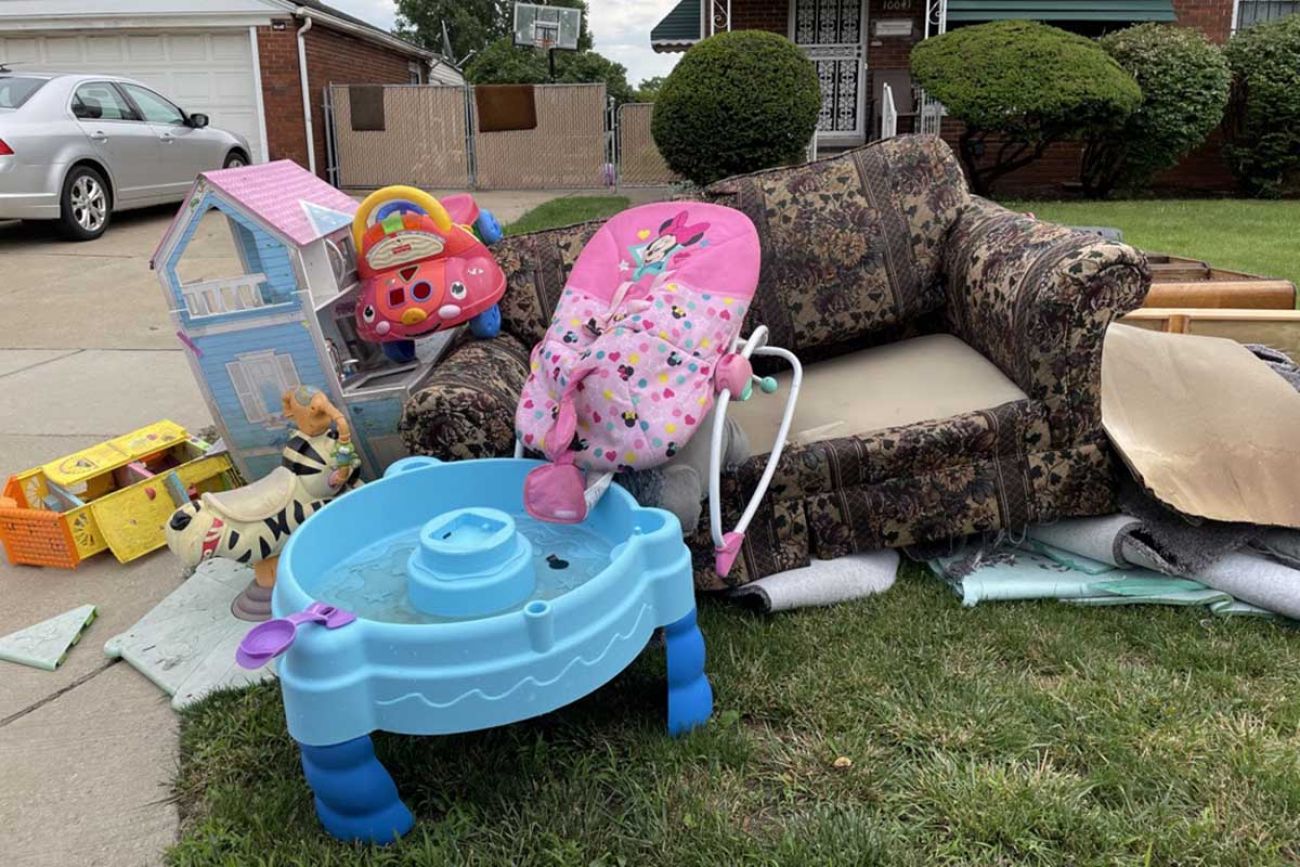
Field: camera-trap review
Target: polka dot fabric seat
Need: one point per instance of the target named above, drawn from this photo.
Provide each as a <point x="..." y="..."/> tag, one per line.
<point x="625" y="374"/>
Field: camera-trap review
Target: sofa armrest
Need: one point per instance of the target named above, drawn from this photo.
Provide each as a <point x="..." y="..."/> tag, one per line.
<point x="467" y="408"/>
<point x="1036" y="298"/>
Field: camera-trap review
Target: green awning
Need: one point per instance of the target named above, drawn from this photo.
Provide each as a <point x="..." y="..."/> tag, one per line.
<point x="679" y="29"/>
<point x="1061" y="10"/>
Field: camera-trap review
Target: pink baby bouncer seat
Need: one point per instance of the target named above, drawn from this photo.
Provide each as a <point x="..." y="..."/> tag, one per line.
<point x="645" y="342"/>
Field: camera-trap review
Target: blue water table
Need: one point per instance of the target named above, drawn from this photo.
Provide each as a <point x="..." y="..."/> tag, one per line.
<point x="429" y="603"/>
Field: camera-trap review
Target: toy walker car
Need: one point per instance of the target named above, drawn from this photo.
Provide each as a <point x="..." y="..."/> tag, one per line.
<point x="425" y="267"/>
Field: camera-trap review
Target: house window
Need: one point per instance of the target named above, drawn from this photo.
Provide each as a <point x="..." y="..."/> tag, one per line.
<point x="1250" y="12"/>
<point x="260" y="380"/>
<point x="415" y="72"/>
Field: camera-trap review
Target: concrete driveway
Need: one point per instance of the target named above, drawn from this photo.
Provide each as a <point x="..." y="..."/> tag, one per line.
<point x="86" y="353"/>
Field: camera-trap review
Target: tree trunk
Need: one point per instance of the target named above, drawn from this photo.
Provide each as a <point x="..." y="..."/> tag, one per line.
<point x="1103" y="160"/>
<point x="1007" y="161"/>
<point x="966" y="149"/>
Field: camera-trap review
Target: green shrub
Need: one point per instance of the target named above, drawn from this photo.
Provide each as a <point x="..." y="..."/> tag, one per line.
<point x="736" y="102"/>
<point x="1185" y="83"/>
<point x="1264" y="151"/>
<point x="1026" y="83"/>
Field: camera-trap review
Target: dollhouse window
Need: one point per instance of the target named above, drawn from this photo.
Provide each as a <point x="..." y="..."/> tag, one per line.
<point x="343" y="259"/>
<point x="260" y="380"/>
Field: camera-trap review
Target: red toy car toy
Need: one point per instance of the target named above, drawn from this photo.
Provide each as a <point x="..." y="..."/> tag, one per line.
<point x="424" y="267"/>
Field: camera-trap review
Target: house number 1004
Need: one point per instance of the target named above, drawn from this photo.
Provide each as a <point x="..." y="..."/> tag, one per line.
<point x="896" y="6"/>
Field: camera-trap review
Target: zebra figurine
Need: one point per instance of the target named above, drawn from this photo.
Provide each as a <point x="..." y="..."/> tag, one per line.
<point x="251" y="524"/>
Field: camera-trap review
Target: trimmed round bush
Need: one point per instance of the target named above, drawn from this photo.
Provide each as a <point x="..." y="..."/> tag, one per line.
<point x="736" y="102"/>
<point x="1264" y="151"/>
<point x="1024" y="82"/>
<point x="1185" y="83"/>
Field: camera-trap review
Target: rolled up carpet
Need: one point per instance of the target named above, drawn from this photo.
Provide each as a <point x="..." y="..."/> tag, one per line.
<point x="1282" y="544"/>
<point x="1257" y="580"/>
<point x="1214" y="560"/>
<point x="823" y="582"/>
<point x="1094" y="538"/>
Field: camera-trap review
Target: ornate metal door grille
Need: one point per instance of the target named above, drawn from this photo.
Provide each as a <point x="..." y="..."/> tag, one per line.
<point x="830" y="31"/>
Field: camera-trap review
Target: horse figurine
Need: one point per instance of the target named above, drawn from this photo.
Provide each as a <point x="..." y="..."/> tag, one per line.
<point x="251" y="524"/>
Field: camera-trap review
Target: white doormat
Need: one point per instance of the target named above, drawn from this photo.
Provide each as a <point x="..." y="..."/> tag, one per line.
<point x="186" y="644"/>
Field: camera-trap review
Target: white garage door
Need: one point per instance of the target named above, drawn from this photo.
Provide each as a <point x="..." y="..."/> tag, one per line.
<point x="208" y="71"/>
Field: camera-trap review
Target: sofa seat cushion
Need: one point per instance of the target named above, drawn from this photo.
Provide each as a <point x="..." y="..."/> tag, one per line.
<point x="923" y="379"/>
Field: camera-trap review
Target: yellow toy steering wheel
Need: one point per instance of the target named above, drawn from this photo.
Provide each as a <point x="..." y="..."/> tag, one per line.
<point x="371" y="203"/>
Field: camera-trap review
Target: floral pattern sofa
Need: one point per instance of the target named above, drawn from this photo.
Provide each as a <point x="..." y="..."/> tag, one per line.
<point x="866" y="248"/>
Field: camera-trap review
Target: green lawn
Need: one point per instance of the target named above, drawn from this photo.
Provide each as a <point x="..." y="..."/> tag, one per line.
<point x="1262" y="237"/>
<point x="1008" y="734"/>
<point x="567" y="210"/>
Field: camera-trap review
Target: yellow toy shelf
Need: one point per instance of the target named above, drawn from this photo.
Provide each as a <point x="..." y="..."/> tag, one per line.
<point x="115" y="495"/>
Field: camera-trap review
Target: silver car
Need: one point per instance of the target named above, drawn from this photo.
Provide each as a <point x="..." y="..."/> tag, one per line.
<point x="76" y="148"/>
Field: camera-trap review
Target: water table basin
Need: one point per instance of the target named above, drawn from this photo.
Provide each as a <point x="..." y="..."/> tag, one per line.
<point x="469" y="614"/>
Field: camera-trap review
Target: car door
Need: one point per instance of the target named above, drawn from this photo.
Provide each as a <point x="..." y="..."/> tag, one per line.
<point x="127" y="145"/>
<point x="185" y="151"/>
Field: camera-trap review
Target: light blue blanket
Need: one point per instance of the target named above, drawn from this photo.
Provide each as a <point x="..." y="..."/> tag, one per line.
<point x="1036" y="570"/>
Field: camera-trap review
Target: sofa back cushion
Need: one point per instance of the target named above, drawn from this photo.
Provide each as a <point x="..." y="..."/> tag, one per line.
<point x="851" y="244"/>
<point x="537" y="266"/>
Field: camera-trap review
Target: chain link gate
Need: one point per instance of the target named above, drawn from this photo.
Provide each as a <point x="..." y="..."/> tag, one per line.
<point x="638" y="159"/>
<point x="418" y="134"/>
<point x="426" y="135"/>
<point x="565" y="150"/>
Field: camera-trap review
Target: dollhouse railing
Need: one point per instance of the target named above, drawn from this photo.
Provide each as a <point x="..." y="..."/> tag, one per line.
<point x="225" y="295"/>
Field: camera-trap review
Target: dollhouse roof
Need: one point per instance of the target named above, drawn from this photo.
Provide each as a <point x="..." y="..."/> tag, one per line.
<point x="284" y="197"/>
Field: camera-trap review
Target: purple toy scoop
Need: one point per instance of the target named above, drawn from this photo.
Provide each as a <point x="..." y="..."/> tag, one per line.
<point x="268" y="640"/>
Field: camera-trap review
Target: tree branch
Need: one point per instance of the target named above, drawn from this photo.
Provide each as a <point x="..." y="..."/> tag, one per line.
<point x="1017" y="160"/>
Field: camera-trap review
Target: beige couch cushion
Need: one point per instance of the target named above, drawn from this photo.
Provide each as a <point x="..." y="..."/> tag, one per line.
<point x="925" y="378"/>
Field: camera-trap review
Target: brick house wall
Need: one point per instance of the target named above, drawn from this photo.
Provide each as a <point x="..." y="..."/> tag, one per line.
<point x="1202" y="171"/>
<point x="333" y="56"/>
<point x="888" y="53"/>
<point x="281" y="95"/>
<point x="1212" y="17"/>
<point x="771" y="15"/>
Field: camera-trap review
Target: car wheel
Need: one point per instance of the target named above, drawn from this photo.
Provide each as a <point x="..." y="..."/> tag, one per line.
<point x="235" y="160"/>
<point x="85" y="207"/>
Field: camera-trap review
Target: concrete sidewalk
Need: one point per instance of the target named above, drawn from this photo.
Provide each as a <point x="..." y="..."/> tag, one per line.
<point x="87" y="353"/>
<point x="88" y="752"/>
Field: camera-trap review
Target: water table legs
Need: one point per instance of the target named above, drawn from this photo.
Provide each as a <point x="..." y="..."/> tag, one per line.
<point x="356" y="799"/>
<point x="690" y="697"/>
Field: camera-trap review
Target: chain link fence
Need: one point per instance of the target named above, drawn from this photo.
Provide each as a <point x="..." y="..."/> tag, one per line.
<point x="639" y="162"/>
<point x="428" y="136"/>
<point x="421" y="136"/>
<point x="565" y="149"/>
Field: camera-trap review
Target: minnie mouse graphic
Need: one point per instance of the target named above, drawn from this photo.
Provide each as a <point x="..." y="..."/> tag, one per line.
<point x="674" y="235"/>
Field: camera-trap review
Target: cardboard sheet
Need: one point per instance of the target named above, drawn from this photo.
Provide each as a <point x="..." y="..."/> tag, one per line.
<point x="1204" y="425"/>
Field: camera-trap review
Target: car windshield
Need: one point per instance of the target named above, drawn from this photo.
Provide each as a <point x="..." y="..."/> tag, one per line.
<point x="17" y="89"/>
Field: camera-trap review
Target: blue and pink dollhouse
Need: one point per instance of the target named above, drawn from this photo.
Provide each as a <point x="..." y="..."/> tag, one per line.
<point x="284" y="318"/>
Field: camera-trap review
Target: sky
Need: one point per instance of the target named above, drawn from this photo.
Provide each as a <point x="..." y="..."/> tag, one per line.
<point x="620" y="29"/>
